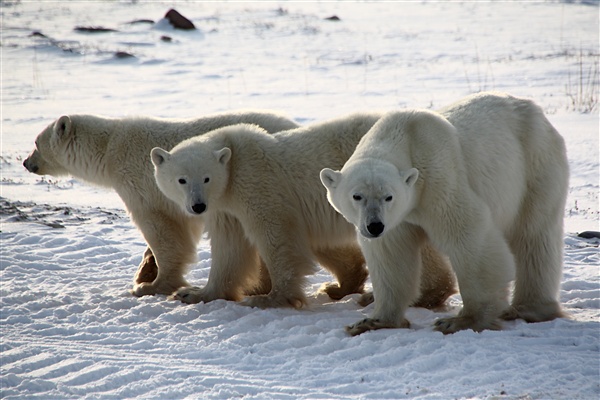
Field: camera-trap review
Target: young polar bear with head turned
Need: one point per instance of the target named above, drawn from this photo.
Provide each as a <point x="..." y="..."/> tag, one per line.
<point x="270" y="184"/>
<point x="486" y="181"/>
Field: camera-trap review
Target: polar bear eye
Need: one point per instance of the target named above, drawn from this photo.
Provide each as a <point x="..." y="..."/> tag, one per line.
<point x="206" y="180"/>
<point x="182" y="181"/>
<point x="388" y="199"/>
<point x="357" y="197"/>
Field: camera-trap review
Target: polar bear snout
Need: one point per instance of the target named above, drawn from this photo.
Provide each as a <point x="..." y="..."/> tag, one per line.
<point x="199" y="208"/>
<point x="30" y="166"/>
<point x="375" y="228"/>
<point x="371" y="228"/>
<point x="196" y="202"/>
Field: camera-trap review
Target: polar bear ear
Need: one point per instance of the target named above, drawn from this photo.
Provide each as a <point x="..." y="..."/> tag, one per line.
<point x="330" y="178"/>
<point x="410" y="176"/>
<point x="159" y="156"/>
<point x="223" y="155"/>
<point x="62" y="126"/>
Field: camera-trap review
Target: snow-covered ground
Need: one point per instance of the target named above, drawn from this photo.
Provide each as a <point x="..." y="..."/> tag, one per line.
<point x="69" y="327"/>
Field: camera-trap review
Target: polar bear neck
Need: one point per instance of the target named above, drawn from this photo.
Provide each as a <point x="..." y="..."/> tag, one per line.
<point x="249" y="144"/>
<point x="89" y="159"/>
<point x="396" y="152"/>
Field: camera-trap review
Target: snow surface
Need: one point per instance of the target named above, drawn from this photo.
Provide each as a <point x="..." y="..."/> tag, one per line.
<point x="69" y="327"/>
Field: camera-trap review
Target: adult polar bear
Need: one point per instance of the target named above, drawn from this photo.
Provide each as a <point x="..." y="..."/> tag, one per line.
<point x="485" y="180"/>
<point x="114" y="153"/>
<point x="270" y="184"/>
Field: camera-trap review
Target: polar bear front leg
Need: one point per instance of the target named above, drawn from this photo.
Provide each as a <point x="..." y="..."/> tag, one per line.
<point x="173" y="244"/>
<point x="287" y="282"/>
<point x="235" y="265"/>
<point x="288" y="259"/>
<point x="394" y="262"/>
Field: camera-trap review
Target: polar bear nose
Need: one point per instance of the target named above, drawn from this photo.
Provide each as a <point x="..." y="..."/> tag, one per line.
<point x="375" y="228"/>
<point x="199" y="208"/>
<point x="29" y="167"/>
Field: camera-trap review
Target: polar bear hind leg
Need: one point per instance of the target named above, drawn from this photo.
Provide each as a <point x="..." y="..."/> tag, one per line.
<point x="536" y="239"/>
<point x="438" y="282"/>
<point x="484" y="267"/>
<point x="538" y="255"/>
<point x="537" y="243"/>
<point x="348" y="266"/>
<point x="148" y="269"/>
<point x="437" y="279"/>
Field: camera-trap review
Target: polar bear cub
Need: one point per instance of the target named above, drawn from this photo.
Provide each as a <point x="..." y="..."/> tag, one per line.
<point x="114" y="153"/>
<point x="270" y="184"/>
<point x="486" y="181"/>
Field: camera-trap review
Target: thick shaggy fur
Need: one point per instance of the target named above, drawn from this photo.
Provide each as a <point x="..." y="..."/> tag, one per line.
<point x="270" y="184"/>
<point x="115" y="153"/>
<point x="486" y="181"/>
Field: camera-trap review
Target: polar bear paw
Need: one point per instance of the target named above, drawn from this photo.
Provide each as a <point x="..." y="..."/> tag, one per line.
<point x="143" y="289"/>
<point x="271" y="301"/>
<point x="333" y="290"/>
<point x="151" y="288"/>
<point x="337" y="292"/>
<point x="189" y="295"/>
<point x="366" y="299"/>
<point x="534" y="312"/>
<point x="455" y="324"/>
<point x="370" y="324"/>
<point x="148" y="269"/>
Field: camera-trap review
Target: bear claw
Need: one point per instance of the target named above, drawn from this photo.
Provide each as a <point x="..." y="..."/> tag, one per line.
<point x="455" y="324"/>
<point x="188" y="295"/>
<point x="534" y="313"/>
<point x="366" y="299"/>
<point x="267" y="301"/>
<point x="370" y="324"/>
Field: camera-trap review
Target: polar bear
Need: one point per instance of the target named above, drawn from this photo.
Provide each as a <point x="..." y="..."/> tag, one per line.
<point x="486" y="181"/>
<point x="114" y="153"/>
<point x="270" y="184"/>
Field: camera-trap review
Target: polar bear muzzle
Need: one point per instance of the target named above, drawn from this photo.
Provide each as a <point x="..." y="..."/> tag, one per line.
<point x="30" y="165"/>
<point x="375" y="228"/>
<point x="199" y="208"/>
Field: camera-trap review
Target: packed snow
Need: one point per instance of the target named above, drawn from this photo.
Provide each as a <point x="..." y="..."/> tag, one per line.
<point x="70" y="328"/>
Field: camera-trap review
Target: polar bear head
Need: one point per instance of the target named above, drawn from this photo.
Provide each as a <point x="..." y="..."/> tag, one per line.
<point x="74" y="145"/>
<point x="52" y="150"/>
<point x="371" y="194"/>
<point x="194" y="175"/>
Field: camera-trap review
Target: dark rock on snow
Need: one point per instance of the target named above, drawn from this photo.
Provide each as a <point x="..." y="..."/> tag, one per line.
<point x="178" y="20"/>
<point x="589" y="235"/>
<point x="94" y="29"/>
<point x="38" y="34"/>
<point x="141" y="21"/>
<point x="123" y="54"/>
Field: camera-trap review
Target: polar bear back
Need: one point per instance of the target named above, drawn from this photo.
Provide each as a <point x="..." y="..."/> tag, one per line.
<point x="140" y="135"/>
<point x="500" y="154"/>
<point x="509" y="151"/>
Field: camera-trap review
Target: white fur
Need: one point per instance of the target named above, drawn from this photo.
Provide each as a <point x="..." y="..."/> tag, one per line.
<point x="270" y="184"/>
<point x="485" y="180"/>
<point x="114" y="152"/>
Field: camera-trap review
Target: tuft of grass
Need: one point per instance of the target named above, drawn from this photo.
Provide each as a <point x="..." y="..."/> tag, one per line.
<point x="582" y="89"/>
